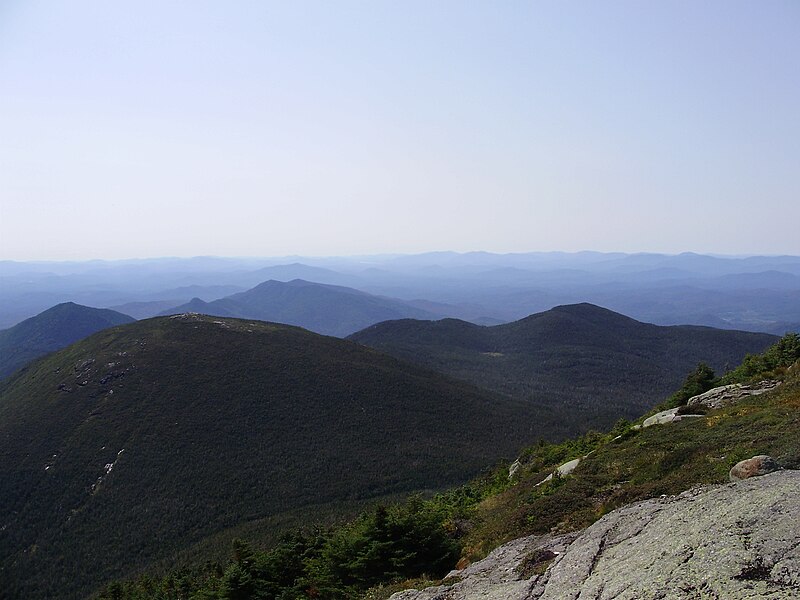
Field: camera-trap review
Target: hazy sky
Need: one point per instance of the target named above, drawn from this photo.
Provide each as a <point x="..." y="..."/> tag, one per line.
<point x="151" y="128"/>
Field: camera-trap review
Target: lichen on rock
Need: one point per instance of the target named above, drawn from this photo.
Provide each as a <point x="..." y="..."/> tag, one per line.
<point x="735" y="541"/>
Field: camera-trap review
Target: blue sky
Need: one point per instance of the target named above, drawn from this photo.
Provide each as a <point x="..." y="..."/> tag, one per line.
<point x="157" y="128"/>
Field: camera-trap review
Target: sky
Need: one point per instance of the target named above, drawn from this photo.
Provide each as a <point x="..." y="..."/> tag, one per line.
<point x="255" y="128"/>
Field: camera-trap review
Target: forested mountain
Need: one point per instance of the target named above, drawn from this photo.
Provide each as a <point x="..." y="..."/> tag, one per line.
<point x="163" y="436"/>
<point x="593" y="364"/>
<point x="51" y="330"/>
<point x="739" y="541"/>
<point x="326" y="309"/>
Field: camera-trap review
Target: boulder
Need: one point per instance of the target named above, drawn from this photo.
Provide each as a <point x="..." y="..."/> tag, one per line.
<point x="729" y="394"/>
<point x="753" y="467"/>
<point x="665" y="416"/>
<point x="563" y="470"/>
<point x="568" y="467"/>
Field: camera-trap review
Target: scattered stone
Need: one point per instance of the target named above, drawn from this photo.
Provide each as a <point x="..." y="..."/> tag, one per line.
<point x="729" y="394"/>
<point x="753" y="467"/>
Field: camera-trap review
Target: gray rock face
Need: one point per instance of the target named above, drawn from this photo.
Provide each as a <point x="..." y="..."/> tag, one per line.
<point x="735" y="541"/>
<point x="728" y="394"/>
<point x="753" y="467"/>
<point x="499" y="576"/>
<point x="562" y="471"/>
<point x="568" y="467"/>
<point x="666" y="416"/>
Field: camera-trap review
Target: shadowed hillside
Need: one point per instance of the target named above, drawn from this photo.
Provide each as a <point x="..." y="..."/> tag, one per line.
<point x="593" y="364"/>
<point x="142" y="440"/>
<point x="737" y="540"/>
<point x="51" y="330"/>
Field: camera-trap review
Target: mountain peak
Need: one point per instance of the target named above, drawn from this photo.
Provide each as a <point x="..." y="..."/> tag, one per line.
<point x="586" y="309"/>
<point x="604" y="355"/>
<point x="50" y="330"/>
<point x="319" y="307"/>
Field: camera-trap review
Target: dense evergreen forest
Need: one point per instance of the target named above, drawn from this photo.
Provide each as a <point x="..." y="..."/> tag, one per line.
<point x="163" y="439"/>
<point x="416" y="542"/>
<point x="589" y="365"/>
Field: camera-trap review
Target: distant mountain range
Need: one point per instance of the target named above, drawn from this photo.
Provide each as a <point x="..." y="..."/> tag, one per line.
<point x="756" y="293"/>
<point x="143" y="441"/>
<point x="325" y="309"/>
<point x="51" y="330"/>
<point x="592" y="364"/>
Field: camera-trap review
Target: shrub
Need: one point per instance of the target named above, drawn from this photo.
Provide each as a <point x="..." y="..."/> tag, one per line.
<point x="769" y="364"/>
<point x="698" y="381"/>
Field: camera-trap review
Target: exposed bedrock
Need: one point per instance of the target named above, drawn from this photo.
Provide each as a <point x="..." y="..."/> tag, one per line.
<point x="734" y="541"/>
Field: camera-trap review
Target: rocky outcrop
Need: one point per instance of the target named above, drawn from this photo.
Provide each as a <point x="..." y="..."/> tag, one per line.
<point x="735" y="541"/>
<point x="666" y="416"/>
<point x="562" y="471"/>
<point x="753" y="467"/>
<point x="728" y="394"/>
<point x="716" y="398"/>
<point x="568" y="467"/>
<point x="501" y="575"/>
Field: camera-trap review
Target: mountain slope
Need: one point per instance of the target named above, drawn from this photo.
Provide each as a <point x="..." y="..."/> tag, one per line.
<point x="326" y="309"/>
<point x="142" y="440"/>
<point x="739" y="542"/>
<point x="51" y="330"/>
<point x="594" y="364"/>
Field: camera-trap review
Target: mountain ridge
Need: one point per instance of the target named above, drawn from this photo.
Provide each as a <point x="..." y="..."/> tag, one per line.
<point x="322" y="308"/>
<point x="165" y="431"/>
<point x="51" y="330"/>
<point x="605" y="355"/>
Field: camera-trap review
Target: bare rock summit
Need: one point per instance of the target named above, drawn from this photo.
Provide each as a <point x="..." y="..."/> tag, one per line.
<point x="735" y="541"/>
<point x="729" y="394"/>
